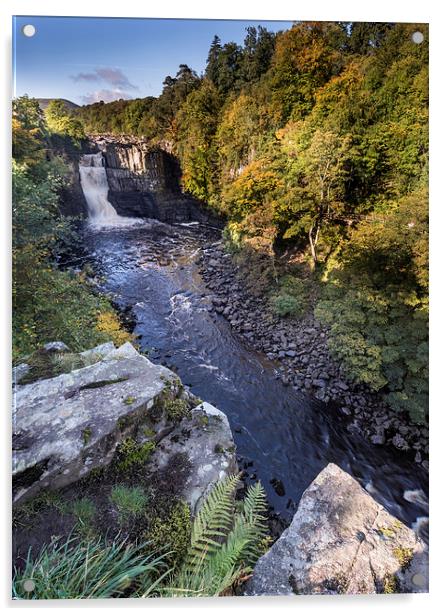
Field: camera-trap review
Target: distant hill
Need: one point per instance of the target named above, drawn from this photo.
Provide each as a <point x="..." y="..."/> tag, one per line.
<point x="44" y="102"/>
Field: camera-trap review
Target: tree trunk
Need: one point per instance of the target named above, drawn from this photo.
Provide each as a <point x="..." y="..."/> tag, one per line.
<point x="313" y="239"/>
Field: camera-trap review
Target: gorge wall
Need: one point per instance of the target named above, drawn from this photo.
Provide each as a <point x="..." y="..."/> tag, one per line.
<point x="144" y="182"/>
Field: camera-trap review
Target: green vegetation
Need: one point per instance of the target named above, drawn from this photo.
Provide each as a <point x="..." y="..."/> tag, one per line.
<point x="84" y="510"/>
<point x="224" y="544"/>
<point x="208" y="557"/>
<point x="176" y="409"/>
<point x="172" y="530"/>
<point x="130" y="502"/>
<point x="48" y="304"/>
<point x="85" y="570"/>
<point x="314" y="143"/>
<point x="62" y="122"/>
<point x="130" y="454"/>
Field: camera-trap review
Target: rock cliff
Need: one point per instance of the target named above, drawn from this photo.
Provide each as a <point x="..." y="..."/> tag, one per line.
<point x="144" y="182"/>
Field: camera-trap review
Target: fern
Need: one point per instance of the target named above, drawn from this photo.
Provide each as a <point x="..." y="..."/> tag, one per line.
<point x="213" y="521"/>
<point x="224" y="544"/>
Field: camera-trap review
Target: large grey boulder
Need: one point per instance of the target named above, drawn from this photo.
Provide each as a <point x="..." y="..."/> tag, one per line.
<point x="205" y="438"/>
<point x="68" y="425"/>
<point x="65" y="426"/>
<point x="341" y="541"/>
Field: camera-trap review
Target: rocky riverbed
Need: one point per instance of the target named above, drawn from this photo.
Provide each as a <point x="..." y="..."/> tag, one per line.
<point x="300" y="346"/>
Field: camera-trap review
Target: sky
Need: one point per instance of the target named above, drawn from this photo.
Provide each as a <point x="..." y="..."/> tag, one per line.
<point x="86" y="59"/>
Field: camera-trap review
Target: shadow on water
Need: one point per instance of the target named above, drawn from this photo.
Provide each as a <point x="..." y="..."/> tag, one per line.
<point x="284" y="438"/>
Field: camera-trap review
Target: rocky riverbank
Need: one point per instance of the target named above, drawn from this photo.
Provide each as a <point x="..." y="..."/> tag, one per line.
<point x="301" y="350"/>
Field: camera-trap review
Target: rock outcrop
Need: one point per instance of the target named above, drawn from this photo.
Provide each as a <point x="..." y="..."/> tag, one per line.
<point x="144" y="182"/>
<point x="67" y="425"/>
<point x="341" y="541"/>
<point x="206" y="440"/>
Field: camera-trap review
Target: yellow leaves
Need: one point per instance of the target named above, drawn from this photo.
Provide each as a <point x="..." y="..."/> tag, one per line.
<point x="109" y="324"/>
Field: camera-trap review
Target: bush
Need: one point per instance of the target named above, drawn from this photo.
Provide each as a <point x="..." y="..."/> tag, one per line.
<point x="285" y="305"/>
<point x="381" y="339"/>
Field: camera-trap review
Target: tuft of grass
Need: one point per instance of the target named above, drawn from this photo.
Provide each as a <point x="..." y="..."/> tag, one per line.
<point x="130" y="502"/>
<point x="84" y="510"/>
<point x="88" y="569"/>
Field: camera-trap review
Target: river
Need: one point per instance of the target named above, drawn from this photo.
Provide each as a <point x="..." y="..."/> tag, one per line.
<point x="284" y="438"/>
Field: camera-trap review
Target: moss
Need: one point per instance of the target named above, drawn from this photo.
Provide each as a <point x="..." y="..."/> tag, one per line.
<point x="173" y="531"/>
<point x="204" y="420"/>
<point x="219" y="448"/>
<point x="41" y="501"/>
<point x="129" y="400"/>
<point x="86" y="435"/>
<point x="404" y="556"/>
<point x="390" y="531"/>
<point x="149" y="432"/>
<point x="130" y="454"/>
<point x="177" y="409"/>
<point x="390" y="584"/>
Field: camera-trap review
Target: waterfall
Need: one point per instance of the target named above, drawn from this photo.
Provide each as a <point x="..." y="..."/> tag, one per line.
<point x="95" y="188"/>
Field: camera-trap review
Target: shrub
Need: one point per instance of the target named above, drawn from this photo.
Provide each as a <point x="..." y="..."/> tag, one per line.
<point x="381" y="339"/>
<point x="285" y="305"/>
<point x="130" y="502"/>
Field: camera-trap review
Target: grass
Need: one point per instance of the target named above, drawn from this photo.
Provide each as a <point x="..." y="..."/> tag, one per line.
<point x="130" y="502"/>
<point x="88" y="569"/>
<point x="85" y="511"/>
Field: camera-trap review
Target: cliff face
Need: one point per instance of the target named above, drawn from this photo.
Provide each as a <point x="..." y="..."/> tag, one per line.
<point x="144" y="181"/>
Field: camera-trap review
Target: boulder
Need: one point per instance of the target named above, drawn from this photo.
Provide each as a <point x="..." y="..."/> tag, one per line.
<point x="68" y="425"/>
<point x="341" y="541"/>
<point x="206" y="439"/>
<point x="65" y="426"/>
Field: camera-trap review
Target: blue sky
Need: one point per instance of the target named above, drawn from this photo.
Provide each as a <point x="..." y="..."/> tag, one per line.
<point x="85" y="58"/>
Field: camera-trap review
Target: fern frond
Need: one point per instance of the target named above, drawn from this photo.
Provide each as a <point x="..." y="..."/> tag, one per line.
<point x="213" y="521"/>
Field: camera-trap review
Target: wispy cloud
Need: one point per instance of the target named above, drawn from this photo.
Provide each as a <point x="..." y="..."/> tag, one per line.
<point x="112" y="76"/>
<point x="104" y="95"/>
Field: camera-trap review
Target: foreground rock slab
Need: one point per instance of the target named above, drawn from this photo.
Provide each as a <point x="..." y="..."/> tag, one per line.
<point x="65" y="426"/>
<point x="341" y="541"/>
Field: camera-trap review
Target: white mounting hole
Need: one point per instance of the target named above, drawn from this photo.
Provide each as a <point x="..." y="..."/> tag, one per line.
<point x="29" y="30"/>
<point x="417" y="37"/>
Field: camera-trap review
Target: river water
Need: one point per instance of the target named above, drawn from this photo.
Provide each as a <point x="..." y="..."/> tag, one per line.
<point x="284" y="438"/>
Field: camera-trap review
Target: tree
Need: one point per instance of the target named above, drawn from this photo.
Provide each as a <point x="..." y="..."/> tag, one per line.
<point x="319" y="167"/>
<point x="212" y="63"/>
<point x="62" y="122"/>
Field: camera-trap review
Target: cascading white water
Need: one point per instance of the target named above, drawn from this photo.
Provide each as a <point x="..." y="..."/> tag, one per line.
<point x="95" y="187"/>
